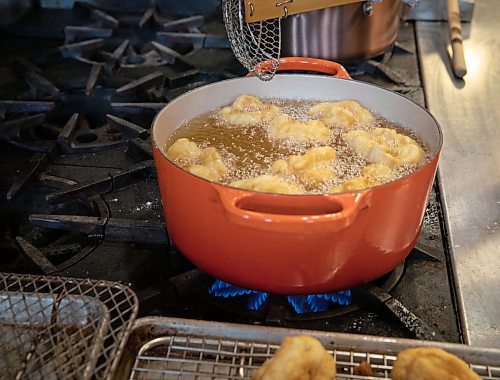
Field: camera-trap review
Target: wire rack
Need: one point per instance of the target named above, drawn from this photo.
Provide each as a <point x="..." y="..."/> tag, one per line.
<point x="61" y="328"/>
<point x="192" y="350"/>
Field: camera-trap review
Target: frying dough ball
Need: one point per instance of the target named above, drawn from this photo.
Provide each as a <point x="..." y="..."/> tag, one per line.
<point x="248" y="110"/>
<point x="284" y="127"/>
<point x="268" y="184"/>
<point x="354" y="184"/>
<point x="377" y="172"/>
<point x="212" y="167"/>
<point x="184" y="150"/>
<point x="213" y="160"/>
<point x="385" y="146"/>
<point x="203" y="172"/>
<point x="308" y="168"/>
<point x="206" y="163"/>
<point x="298" y="358"/>
<point x="343" y="114"/>
<point x="430" y="364"/>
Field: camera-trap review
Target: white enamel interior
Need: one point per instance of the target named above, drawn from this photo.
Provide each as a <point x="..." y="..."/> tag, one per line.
<point x="390" y="105"/>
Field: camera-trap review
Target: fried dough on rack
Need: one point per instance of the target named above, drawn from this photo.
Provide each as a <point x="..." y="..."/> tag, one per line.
<point x="269" y="184"/>
<point x="385" y="146"/>
<point x="430" y="364"/>
<point x="284" y="127"/>
<point x="298" y="358"/>
<point x="248" y="110"/>
<point x="206" y="163"/>
<point x="310" y="168"/>
<point x="342" y="114"/>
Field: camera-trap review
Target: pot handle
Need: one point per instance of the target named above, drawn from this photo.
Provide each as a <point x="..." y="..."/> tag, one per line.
<point x="309" y="64"/>
<point x="296" y="214"/>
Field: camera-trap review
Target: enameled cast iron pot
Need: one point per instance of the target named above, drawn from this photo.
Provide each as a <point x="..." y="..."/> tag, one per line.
<point x="294" y="244"/>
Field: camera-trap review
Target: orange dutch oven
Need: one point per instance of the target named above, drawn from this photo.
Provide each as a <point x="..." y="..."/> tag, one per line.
<point x="294" y="244"/>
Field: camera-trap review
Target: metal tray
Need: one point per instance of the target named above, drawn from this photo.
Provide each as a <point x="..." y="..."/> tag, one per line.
<point x="171" y="348"/>
<point x="62" y="328"/>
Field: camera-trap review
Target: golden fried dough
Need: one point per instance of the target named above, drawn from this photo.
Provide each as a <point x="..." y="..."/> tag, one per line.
<point x="310" y="167"/>
<point x="212" y="167"/>
<point x="268" y="184"/>
<point x="284" y="127"/>
<point x="298" y="358"/>
<point x="430" y="364"/>
<point x="248" y="110"/>
<point x="377" y="172"/>
<point x="206" y="163"/>
<point x="354" y="184"/>
<point x="203" y="172"/>
<point x="184" y="150"/>
<point x="385" y="146"/>
<point x="343" y="114"/>
<point x="212" y="159"/>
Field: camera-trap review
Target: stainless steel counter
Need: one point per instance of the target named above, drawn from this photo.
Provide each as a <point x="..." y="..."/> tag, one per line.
<point x="469" y="113"/>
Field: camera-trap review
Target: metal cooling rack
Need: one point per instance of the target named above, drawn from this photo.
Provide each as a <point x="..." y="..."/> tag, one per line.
<point x="169" y="348"/>
<point x="62" y="328"/>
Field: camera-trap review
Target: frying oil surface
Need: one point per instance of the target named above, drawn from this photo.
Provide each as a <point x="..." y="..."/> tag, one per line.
<point x="248" y="151"/>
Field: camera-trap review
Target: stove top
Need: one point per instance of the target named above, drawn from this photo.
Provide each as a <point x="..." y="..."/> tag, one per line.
<point x="78" y="91"/>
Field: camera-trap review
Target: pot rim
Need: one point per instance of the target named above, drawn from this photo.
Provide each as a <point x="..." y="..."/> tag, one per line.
<point x="186" y="94"/>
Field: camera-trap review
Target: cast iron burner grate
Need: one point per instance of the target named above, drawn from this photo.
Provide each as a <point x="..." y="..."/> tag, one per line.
<point x="312" y="303"/>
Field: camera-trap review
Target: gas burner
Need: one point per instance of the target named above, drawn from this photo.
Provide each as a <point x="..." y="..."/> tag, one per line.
<point x="279" y="310"/>
<point x="79" y="135"/>
<point x="312" y="303"/>
<point x="108" y="80"/>
<point x="284" y="308"/>
<point x="129" y="43"/>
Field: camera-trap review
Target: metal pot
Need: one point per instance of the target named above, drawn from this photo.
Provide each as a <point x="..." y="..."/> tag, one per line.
<point x="343" y="33"/>
<point x="294" y="244"/>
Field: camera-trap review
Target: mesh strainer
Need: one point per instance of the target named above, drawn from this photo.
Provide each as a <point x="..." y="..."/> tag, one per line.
<point x="256" y="45"/>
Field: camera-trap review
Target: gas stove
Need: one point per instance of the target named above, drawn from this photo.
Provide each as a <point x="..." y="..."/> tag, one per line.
<point x="79" y="197"/>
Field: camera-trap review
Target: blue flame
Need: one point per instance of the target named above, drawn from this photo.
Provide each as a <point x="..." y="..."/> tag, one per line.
<point x="313" y="303"/>
<point x="257" y="300"/>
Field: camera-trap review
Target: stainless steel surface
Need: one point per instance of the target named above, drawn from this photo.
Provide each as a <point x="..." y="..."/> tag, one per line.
<point x="342" y="33"/>
<point x="435" y="10"/>
<point x="469" y="114"/>
<point x="167" y="348"/>
<point x="55" y="328"/>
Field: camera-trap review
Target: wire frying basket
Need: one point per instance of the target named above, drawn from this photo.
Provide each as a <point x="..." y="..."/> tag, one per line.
<point x="62" y="328"/>
<point x="256" y="45"/>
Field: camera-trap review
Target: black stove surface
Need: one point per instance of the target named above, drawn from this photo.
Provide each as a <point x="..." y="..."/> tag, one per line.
<point x="78" y="91"/>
